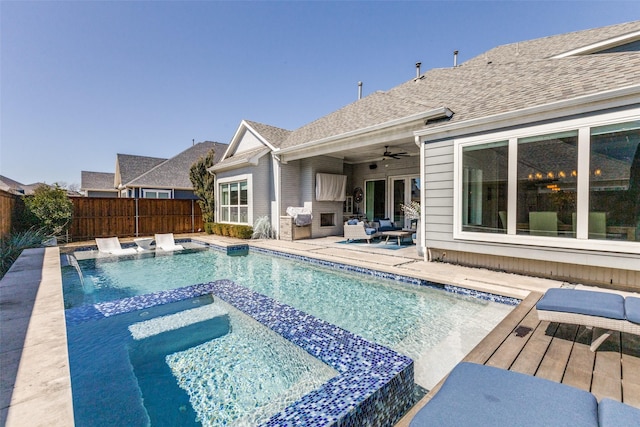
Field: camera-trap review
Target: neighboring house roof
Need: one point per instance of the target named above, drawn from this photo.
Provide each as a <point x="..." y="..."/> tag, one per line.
<point x="11" y="186"/>
<point x="97" y="181"/>
<point x="174" y="172"/>
<point x="129" y="167"/>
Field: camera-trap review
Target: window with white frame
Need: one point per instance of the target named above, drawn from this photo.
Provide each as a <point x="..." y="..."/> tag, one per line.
<point x="234" y="202"/>
<point x="485" y="169"/>
<point x="575" y="184"/>
<point x="156" y="194"/>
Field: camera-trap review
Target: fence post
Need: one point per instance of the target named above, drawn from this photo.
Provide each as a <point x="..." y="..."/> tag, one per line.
<point x="137" y="217"/>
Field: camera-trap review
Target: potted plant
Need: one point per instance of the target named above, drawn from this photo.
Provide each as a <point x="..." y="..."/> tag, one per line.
<point x="412" y="211"/>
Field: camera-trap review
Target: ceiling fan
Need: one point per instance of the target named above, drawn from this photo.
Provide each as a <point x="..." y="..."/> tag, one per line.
<point x="391" y="155"/>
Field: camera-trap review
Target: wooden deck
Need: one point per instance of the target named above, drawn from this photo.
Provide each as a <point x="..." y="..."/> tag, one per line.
<point x="560" y="353"/>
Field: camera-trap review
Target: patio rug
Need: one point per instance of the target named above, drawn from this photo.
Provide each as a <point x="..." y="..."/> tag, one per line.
<point x="379" y="244"/>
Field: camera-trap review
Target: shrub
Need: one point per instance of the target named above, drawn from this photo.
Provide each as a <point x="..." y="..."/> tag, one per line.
<point x="208" y="227"/>
<point x="52" y="208"/>
<point x="11" y="246"/>
<point x="229" y="230"/>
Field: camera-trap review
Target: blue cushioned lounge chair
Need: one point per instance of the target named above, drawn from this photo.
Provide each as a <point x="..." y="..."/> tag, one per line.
<point x="605" y="310"/>
<point x="479" y="395"/>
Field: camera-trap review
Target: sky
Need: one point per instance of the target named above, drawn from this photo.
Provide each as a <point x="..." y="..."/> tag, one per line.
<point x="81" y="81"/>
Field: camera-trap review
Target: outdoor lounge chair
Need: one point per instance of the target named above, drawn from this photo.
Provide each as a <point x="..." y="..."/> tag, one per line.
<point x="479" y="395"/>
<point x="167" y="243"/>
<point x="111" y="245"/>
<point x="605" y="310"/>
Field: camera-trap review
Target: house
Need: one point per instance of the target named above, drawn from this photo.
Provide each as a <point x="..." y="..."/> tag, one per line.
<point x="14" y="187"/>
<point x="525" y="158"/>
<point x="150" y="177"/>
<point x="98" y="184"/>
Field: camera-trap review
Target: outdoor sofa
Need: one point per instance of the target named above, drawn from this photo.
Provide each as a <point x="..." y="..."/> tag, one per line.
<point x="479" y="395"/>
<point x="359" y="230"/>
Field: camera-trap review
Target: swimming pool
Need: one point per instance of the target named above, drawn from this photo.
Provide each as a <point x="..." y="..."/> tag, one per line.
<point x="424" y="323"/>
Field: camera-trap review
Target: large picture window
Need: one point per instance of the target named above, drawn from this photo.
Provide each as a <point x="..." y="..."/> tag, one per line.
<point x="579" y="185"/>
<point x="614" y="182"/>
<point x="547" y="176"/>
<point x="234" y="202"/>
<point x="484" y="187"/>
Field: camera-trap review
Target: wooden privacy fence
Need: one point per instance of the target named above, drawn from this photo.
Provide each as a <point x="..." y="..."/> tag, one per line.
<point x="107" y="217"/>
<point x="8" y="205"/>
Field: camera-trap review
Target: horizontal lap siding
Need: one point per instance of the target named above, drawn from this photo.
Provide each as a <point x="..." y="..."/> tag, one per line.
<point x="438" y="182"/>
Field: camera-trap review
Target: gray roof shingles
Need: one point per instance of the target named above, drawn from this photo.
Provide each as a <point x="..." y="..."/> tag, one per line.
<point x="97" y="181"/>
<point x="174" y="173"/>
<point x="131" y="166"/>
<point x="478" y="89"/>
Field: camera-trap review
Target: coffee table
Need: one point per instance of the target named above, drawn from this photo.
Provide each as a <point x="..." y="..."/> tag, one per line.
<point x="400" y="234"/>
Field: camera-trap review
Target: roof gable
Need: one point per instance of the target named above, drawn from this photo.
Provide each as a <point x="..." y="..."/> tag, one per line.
<point x="174" y="173"/>
<point x="129" y="167"/>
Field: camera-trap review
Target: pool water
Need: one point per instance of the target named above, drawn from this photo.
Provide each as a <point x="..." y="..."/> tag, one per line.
<point x="194" y="362"/>
<point x="433" y="327"/>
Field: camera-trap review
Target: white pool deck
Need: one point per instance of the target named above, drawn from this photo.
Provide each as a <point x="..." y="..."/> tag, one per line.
<point x="35" y="385"/>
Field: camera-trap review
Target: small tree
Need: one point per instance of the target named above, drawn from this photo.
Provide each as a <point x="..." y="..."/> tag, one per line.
<point x="51" y="207"/>
<point x="204" y="185"/>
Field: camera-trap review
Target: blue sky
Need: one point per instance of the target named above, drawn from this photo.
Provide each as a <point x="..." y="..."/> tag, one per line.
<point x="82" y="81"/>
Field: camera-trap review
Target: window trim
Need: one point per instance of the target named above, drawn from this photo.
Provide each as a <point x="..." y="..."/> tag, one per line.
<point x="230" y="180"/>
<point x="583" y="125"/>
<point x="169" y="193"/>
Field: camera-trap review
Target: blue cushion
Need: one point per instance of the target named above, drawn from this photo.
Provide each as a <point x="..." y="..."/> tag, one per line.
<point x="632" y="309"/>
<point x="385" y="223"/>
<point x="370" y="231"/>
<point x="478" y="395"/>
<point x="352" y="222"/>
<point x="591" y="303"/>
<point x="612" y="413"/>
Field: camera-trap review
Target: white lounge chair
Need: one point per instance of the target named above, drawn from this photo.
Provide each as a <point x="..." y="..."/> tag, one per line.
<point x="604" y="310"/>
<point x="111" y="245"/>
<point x="166" y="242"/>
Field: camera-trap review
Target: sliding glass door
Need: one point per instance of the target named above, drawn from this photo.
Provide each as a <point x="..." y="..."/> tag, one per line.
<point x="404" y="191"/>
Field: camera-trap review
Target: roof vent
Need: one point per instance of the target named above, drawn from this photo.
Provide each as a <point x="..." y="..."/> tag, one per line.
<point x="455" y="58"/>
<point x="359" y="90"/>
<point x="418" y="64"/>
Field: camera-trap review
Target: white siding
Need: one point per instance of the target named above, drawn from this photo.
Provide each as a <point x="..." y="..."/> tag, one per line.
<point x="262" y="191"/>
<point x="248" y="142"/>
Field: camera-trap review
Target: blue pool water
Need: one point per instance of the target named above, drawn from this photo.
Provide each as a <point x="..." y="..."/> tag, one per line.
<point x="418" y="321"/>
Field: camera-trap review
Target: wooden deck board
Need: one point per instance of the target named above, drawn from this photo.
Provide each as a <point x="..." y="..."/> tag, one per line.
<point x="607" y="370"/>
<point x="579" y="368"/>
<point x="558" y="352"/>
<point x="555" y="359"/>
<point x="515" y="342"/>
<point x="530" y="358"/>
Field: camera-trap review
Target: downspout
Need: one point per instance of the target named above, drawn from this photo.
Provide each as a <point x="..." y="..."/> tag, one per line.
<point x="215" y="198"/>
<point x="426" y="253"/>
<point x="277" y="168"/>
<point x="135" y="194"/>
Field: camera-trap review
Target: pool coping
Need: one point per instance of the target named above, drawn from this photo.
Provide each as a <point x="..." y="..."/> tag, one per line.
<point x="374" y="385"/>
